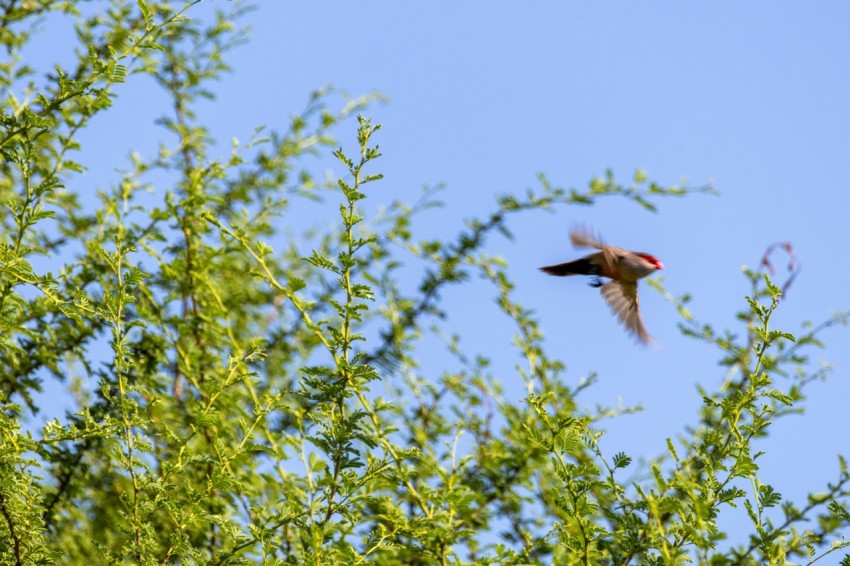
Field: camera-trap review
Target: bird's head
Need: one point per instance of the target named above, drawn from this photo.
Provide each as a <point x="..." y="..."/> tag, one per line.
<point x="652" y="260"/>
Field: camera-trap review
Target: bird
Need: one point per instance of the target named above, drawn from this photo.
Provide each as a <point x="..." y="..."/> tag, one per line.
<point x="623" y="267"/>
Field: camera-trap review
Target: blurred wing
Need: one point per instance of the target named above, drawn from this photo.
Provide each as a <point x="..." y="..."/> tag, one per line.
<point x="582" y="237"/>
<point x="622" y="297"/>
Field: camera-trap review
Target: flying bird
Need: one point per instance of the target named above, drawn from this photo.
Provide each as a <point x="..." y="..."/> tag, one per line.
<point x="623" y="267"/>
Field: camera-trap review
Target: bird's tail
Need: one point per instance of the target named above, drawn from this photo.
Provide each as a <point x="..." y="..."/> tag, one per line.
<point x="581" y="266"/>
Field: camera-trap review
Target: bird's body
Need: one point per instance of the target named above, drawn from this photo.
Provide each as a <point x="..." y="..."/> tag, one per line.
<point x="623" y="267"/>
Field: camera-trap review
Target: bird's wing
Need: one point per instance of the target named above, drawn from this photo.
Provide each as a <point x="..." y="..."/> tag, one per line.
<point x="622" y="297"/>
<point x="582" y="237"/>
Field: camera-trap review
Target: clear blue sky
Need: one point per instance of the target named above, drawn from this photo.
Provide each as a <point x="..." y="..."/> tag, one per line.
<point x="752" y="97"/>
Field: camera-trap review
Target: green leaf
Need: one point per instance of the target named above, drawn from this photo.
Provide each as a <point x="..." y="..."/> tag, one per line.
<point x="621" y="460"/>
<point x="322" y="262"/>
<point x="146" y="13"/>
<point x="672" y="450"/>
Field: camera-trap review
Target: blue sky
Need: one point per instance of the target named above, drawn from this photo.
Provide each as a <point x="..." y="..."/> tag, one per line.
<point x="485" y="95"/>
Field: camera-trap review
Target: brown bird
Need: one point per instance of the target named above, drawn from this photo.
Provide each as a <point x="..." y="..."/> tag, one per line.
<point x="623" y="267"/>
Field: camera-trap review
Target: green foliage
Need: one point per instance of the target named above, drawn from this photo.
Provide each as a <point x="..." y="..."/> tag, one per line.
<point x="240" y="404"/>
